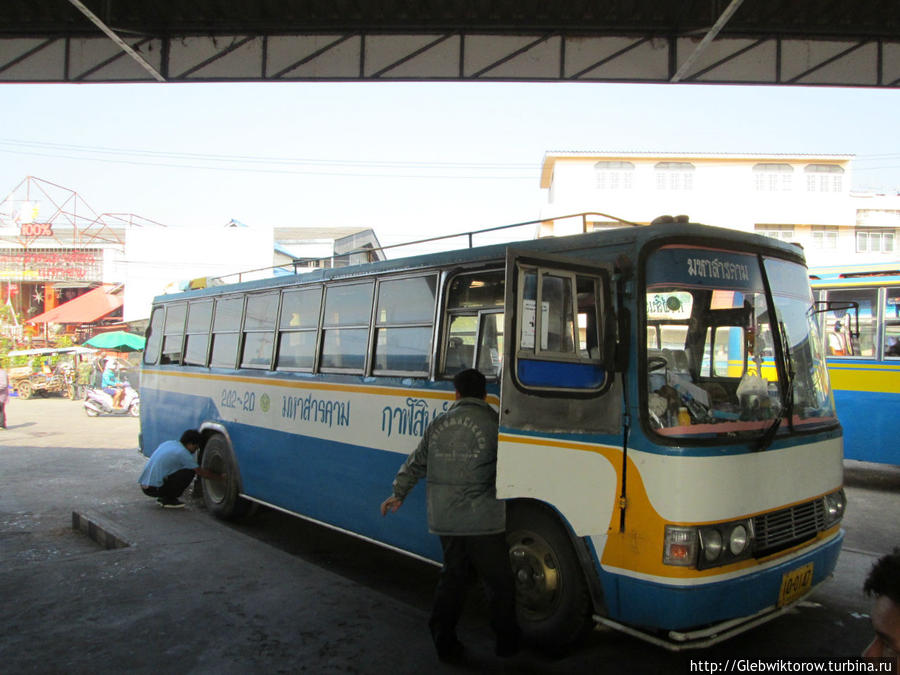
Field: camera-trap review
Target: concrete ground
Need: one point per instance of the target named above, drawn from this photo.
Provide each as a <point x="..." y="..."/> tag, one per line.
<point x="191" y="594"/>
<point x="188" y="594"/>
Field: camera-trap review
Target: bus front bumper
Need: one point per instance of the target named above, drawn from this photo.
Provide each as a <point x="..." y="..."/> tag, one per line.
<point x="729" y="607"/>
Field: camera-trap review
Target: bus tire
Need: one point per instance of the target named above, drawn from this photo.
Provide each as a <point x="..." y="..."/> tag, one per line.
<point x="25" y="389"/>
<point x="552" y="600"/>
<point x="222" y="497"/>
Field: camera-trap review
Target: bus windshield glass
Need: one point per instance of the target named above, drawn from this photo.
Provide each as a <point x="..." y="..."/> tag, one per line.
<point x="713" y="369"/>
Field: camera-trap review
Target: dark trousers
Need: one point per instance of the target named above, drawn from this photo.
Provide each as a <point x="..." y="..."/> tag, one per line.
<point x="173" y="485"/>
<point x="489" y="556"/>
<point x="3" y="414"/>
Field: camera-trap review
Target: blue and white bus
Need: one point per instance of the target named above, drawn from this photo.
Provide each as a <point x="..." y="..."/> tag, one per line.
<point x="862" y="347"/>
<point x="650" y="487"/>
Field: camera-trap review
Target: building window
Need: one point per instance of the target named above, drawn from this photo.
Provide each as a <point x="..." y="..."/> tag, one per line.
<point x="674" y="176"/>
<point x="782" y="232"/>
<point x="773" y="177"/>
<point x="874" y="241"/>
<point x="824" y="236"/>
<point x="824" y="178"/>
<point x="614" y="175"/>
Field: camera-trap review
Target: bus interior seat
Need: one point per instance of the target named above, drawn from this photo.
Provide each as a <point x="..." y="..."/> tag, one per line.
<point x="677" y="359"/>
<point x="459" y="355"/>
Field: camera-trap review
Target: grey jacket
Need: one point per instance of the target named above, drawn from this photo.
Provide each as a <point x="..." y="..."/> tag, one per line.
<point x="459" y="456"/>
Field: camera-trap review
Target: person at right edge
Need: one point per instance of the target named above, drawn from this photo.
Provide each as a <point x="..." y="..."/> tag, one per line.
<point x="458" y="454"/>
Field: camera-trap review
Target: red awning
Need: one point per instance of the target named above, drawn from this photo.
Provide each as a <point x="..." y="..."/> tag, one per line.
<point x="85" y="308"/>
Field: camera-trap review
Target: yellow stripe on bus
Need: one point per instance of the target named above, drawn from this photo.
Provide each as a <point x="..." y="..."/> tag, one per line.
<point x="321" y="386"/>
<point x="864" y="378"/>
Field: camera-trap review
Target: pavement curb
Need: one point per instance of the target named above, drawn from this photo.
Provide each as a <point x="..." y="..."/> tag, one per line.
<point x="99" y="530"/>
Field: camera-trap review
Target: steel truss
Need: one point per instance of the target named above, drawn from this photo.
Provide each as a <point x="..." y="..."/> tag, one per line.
<point x="454" y="56"/>
<point x="71" y="221"/>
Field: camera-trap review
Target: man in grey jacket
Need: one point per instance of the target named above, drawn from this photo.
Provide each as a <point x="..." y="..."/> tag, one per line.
<point x="458" y="453"/>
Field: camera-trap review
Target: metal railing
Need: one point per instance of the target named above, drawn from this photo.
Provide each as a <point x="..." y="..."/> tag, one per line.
<point x="295" y="264"/>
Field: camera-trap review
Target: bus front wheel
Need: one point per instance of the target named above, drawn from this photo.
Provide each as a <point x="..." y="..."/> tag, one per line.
<point x="552" y="601"/>
<point x="222" y="496"/>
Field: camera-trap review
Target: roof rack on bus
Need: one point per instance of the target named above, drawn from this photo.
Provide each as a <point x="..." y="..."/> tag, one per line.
<point x="296" y="262"/>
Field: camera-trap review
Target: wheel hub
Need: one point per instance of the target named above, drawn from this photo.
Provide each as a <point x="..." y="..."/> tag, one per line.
<point x="535" y="571"/>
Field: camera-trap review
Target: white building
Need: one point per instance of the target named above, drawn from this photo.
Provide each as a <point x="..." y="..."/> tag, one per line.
<point x="800" y="198"/>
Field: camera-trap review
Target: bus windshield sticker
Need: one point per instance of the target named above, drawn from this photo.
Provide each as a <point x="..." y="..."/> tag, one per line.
<point x="528" y="324"/>
<point x="693" y="267"/>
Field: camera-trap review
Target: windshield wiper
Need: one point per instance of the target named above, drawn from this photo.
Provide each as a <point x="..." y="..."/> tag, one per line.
<point x="787" y="393"/>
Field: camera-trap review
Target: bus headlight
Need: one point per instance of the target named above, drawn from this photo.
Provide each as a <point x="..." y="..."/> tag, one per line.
<point x="834" y="507"/>
<point x="711" y="544"/>
<point x="725" y="543"/>
<point x="738" y="540"/>
<point x="680" y="546"/>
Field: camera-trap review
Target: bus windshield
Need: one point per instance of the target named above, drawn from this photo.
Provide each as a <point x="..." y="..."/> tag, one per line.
<point x="713" y="368"/>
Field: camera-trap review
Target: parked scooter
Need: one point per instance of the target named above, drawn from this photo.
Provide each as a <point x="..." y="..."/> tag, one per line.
<point x="98" y="402"/>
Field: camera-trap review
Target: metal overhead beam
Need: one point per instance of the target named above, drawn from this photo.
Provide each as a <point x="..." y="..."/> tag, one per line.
<point x="456" y="56"/>
<point x="800" y="43"/>
<point x="704" y="43"/>
<point x="119" y="41"/>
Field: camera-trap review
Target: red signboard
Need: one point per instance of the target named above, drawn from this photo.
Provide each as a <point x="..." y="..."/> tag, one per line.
<point x="51" y="265"/>
<point x="36" y="230"/>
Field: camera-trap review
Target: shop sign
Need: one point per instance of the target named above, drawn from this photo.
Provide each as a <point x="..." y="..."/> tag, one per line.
<point x="50" y="265"/>
<point x="36" y="230"/>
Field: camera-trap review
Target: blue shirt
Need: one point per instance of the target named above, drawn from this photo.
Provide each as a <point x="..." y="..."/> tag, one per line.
<point x="169" y="457"/>
<point x="110" y="379"/>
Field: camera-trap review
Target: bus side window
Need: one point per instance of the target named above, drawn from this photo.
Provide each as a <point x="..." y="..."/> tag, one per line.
<point x="838" y="341"/>
<point x="490" y="344"/>
<point x="226" y="332"/>
<point x="298" y="328"/>
<point x="460" y="343"/>
<point x="197" y="337"/>
<point x="474" y="325"/>
<point x="404" y="325"/>
<point x="892" y="323"/>
<point x="259" y="330"/>
<point x="173" y="338"/>
<point x="154" y="336"/>
<point x="559" y="341"/>
<point x="345" y="324"/>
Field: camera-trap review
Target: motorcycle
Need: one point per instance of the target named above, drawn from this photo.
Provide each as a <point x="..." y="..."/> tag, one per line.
<point x="98" y="402"/>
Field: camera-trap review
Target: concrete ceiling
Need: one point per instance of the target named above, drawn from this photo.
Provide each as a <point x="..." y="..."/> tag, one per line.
<point x="786" y="42"/>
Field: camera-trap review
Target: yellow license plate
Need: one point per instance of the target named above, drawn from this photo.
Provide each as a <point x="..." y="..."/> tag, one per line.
<point x="795" y="583"/>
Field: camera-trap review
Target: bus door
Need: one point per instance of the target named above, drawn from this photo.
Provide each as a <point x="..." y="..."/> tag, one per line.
<point x="559" y="395"/>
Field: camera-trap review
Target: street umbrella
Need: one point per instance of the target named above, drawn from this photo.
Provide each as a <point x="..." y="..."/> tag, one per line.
<point x="117" y="341"/>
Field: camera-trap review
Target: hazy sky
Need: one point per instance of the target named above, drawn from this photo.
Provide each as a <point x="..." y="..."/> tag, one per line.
<point x="399" y="157"/>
